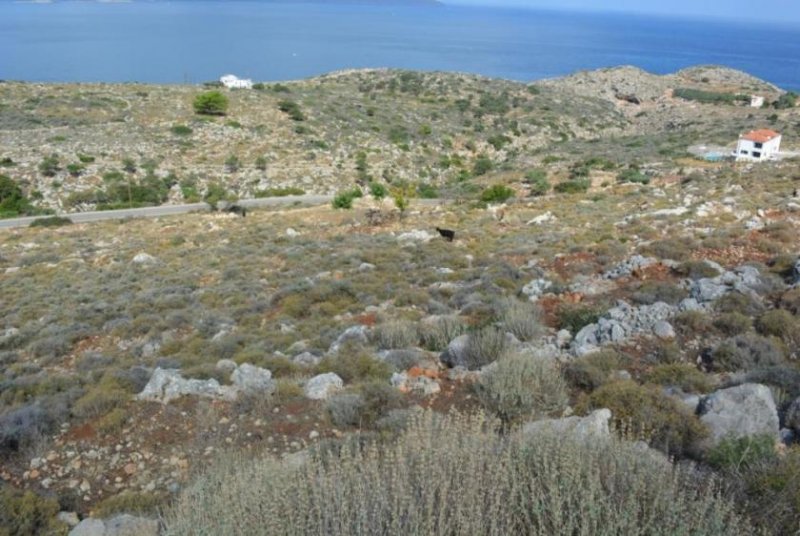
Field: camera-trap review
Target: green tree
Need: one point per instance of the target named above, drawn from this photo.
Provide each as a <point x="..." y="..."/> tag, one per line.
<point x="12" y="201"/>
<point x="49" y="165"/>
<point x="211" y="103"/>
<point x="482" y="166"/>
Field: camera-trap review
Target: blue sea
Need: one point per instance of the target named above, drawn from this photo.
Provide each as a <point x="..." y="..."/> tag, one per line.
<point x="195" y="41"/>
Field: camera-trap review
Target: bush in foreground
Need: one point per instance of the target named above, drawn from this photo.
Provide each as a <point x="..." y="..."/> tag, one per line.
<point x="450" y="476"/>
<point x="211" y="103"/>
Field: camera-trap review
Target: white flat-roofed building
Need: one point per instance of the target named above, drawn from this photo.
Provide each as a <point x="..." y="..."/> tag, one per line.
<point x="234" y="82"/>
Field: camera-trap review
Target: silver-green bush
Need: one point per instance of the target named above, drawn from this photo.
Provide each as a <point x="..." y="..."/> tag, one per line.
<point x="452" y="476"/>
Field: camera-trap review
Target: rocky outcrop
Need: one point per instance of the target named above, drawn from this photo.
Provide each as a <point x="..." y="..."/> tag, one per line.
<point x="321" y="387"/>
<point x="621" y="323"/>
<point x="455" y="355"/>
<point x="358" y="335"/>
<point x="166" y="385"/>
<point x="743" y="279"/>
<point x="740" y="411"/>
<point x="630" y="266"/>
<point x="592" y="427"/>
<point x="419" y="384"/>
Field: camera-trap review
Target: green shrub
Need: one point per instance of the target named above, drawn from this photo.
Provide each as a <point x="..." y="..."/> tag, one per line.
<point x="576" y="317"/>
<point x="130" y="502"/>
<point x="696" y="270"/>
<point x="692" y="322"/>
<point x="449" y="475"/>
<point x="482" y="166"/>
<point x="352" y="366"/>
<point x="522" y="386"/>
<point x="12" y="201"/>
<point x="685" y="377"/>
<point x="633" y="175"/>
<point x="709" y="97"/>
<point x="676" y="249"/>
<point x="498" y="193"/>
<point x="786" y="101"/>
<point x="746" y="352"/>
<point x="733" y="323"/>
<point x="99" y="400"/>
<point x="741" y="453"/>
<point x="292" y="109"/>
<point x="343" y="200"/>
<point x="50" y="165"/>
<point x="344" y="409"/>
<point x="573" y="186"/>
<point x="589" y="372"/>
<point x="484" y="346"/>
<point x="651" y="292"/>
<point x="427" y="191"/>
<point x="51" y="221"/>
<point x="537" y="180"/>
<point x="210" y="103"/>
<point x="181" y="130"/>
<point x="779" y="323"/>
<point x="216" y="192"/>
<point x="770" y="493"/>
<point x="278" y="192"/>
<point x="378" y="190"/>
<point x="734" y="302"/>
<point x="24" y="513"/>
<point x="645" y="410"/>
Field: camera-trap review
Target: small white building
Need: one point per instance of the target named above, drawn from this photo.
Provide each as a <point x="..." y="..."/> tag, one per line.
<point x="233" y="82"/>
<point x="756" y="101"/>
<point x="758" y="145"/>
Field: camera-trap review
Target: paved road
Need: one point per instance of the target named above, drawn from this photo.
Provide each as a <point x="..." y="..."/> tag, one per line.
<point x="170" y="210"/>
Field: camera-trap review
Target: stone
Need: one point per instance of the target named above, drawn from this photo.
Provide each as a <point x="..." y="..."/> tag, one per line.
<point x="366" y="267"/>
<point x="563" y="338"/>
<point x="740" y="411"/>
<point x="353" y="335"/>
<point x="630" y="266"/>
<point x="455" y="355"/>
<point x="322" y="386"/>
<point x="70" y="519"/>
<point x="144" y="259"/>
<point x="536" y="288"/>
<point x="252" y="380"/>
<point x="166" y="385"/>
<point x="89" y="527"/>
<point x="415" y="236"/>
<point x="796" y="273"/>
<point x="226" y="366"/>
<point x="291" y="233"/>
<point x="664" y="330"/>
<point x="128" y="525"/>
<point x="306" y="359"/>
<point x="415" y="384"/>
<point x="592" y="427"/>
<point x="619" y="324"/>
<point x="542" y="219"/>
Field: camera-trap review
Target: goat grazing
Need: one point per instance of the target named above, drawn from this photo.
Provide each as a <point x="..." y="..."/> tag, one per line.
<point x="447" y="234"/>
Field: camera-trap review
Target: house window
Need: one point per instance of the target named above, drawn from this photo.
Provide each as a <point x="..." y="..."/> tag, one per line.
<point x="756" y="154"/>
<point x="744" y="152"/>
<point x="759" y="145"/>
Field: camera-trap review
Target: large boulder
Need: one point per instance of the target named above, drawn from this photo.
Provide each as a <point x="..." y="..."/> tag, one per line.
<point x="121" y="525"/>
<point x="740" y="411"/>
<point x="592" y="427"/>
<point x="455" y="355"/>
<point x="252" y="380"/>
<point x="323" y="386"/>
<point x="166" y="385"/>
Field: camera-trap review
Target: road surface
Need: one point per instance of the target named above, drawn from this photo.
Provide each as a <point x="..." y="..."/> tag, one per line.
<point x="169" y="210"/>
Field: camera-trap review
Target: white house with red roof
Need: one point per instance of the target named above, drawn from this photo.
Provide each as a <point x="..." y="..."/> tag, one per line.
<point x="758" y="145"/>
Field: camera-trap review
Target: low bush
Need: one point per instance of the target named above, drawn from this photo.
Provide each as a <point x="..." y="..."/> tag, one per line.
<point x="733" y="323"/>
<point x="710" y="97"/>
<point x="24" y="513"/>
<point x="537" y="181"/>
<point x="484" y="346"/>
<point x="781" y="324"/>
<point x="354" y="366"/>
<point x="646" y="411"/>
<point x="278" y="192"/>
<point x="676" y="249"/>
<point x="573" y="186"/>
<point x="292" y="109"/>
<point x="692" y="322"/>
<point x="746" y="352"/>
<point x="449" y="475"/>
<point x="734" y="302"/>
<point x="633" y="175"/>
<point x="130" y="502"/>
<point x="770" y="493"/>
<point x="683" y="376"/>
<point x="740" y="453"/>
<point x="181" y="130"/>
<point x="51" y="221"/>
<point x="521" y="318"/>
<point x="344" y="409"/>
<point x="437" y="334"/>
<point x="659" y="291"/>
<point x="498" y="193"/>
<point x="395" y="334"/>
<point x="576" y="317"/>
<point x="589" y="372"/>
<point x="696" y="270"/>
<point x="521" y="387"/>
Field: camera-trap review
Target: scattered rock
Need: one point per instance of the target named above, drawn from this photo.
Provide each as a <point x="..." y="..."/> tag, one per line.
<point x="366" y="267"/>
<point x="415" y="384"/>
<point x="306" y="359"/>
<point x="70" y="519"/>
<point x="226" y="366"/>
<point x="144" y="259"/>
<point x="563" y="338"/>
<point x="536" y="288"/>
<point x="323" y="386"/>
<point x="592" y="427"/>
<point x="252" y="380"/>
<point x="740" y="411"/>
<point x="291" y="233"/>
<point x="744" y="279"/>
<point x="89" y="527"/>
<point x="620" y="323"/>
<point x="352" y="335"/>
<point x="630" y="267"/>
<point x="542" y="218"/>
<point x="664" y="330"/>
<point x="166" y="385"/>
<point x="415" y="236"/>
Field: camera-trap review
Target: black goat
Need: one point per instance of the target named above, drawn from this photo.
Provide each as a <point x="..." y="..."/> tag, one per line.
<point x="447" y="234"/>
<point x="237" y="209"/>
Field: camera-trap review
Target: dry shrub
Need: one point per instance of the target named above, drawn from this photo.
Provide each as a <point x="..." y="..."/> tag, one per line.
<point x="437" y="334"/>
<point x="452" y="476"/>
<point x="485" y="346"/>
<point x="395" y="334"/>
<point x="520" y="318"/>
<point x="522" y="386"/>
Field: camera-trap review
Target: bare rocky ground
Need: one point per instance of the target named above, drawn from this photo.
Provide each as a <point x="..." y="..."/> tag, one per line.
<point x="690" y="280"/>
